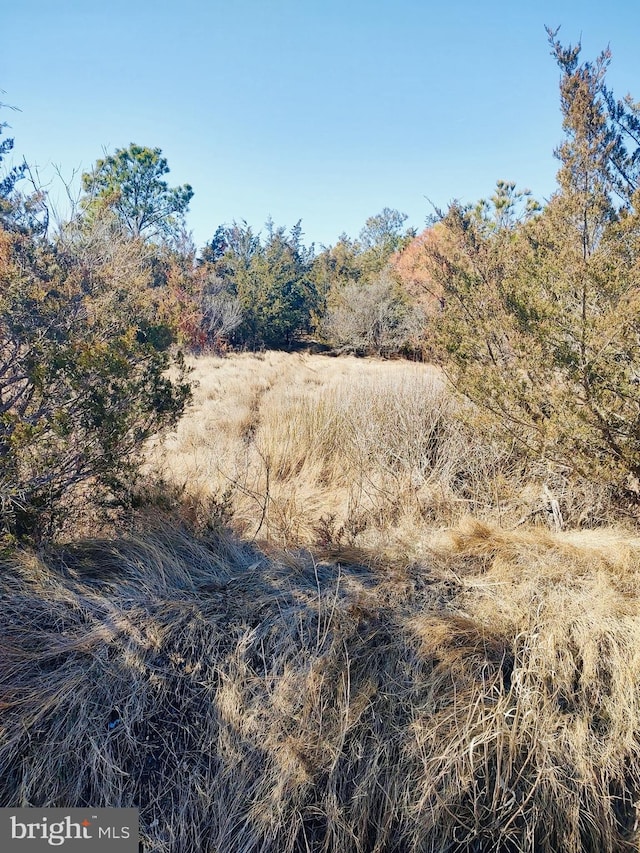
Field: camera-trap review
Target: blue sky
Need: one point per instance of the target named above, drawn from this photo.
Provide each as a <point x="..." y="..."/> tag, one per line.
<point x="320" y="110"/>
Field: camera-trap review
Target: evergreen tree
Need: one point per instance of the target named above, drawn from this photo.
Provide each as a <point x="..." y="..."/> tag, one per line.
<point x="271" y="282"/>
<point x="541" y="322"/>
<point x="131" y="184"/>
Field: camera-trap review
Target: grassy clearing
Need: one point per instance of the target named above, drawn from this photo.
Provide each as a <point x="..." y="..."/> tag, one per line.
<point x="346" y="452"/>
<point x="414" y="681"/>
<point x="304" y="449"/>
<point x="484" y="699"/>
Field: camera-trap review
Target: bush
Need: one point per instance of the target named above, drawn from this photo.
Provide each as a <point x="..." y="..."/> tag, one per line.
<point x="83" y="375"/>
<point x="540" y="320"/>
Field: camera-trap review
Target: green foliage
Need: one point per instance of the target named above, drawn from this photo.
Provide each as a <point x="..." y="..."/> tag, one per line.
<point x="8" y="179"/>
<point x="381" y="236"/>
<point x="282" y="288"/>
<point x="506" y="207"/>
<point x="13" y="175"/>
<point x="354" y="260"/>
<point x="130" y="183"/>
<point x="270" y="283"/>
<point x="541" y="325"/>
<point x="82" y="386"/>
<point x="276" y="293"/>
<point x="334" y="268"/>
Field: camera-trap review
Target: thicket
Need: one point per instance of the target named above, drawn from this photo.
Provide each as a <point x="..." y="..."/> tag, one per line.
<point x="275" y="291"/>
<point x="364" y="306"/>
<point x="265" y="284"/>
<point x="375" y="317"/>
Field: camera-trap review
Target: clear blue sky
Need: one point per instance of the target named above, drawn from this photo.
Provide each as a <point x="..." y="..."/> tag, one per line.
<point x="320" y="110"/>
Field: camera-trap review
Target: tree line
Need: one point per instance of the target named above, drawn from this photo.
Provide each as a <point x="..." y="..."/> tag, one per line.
<point x="532" y="310"/>
<point x="254" y="289"/>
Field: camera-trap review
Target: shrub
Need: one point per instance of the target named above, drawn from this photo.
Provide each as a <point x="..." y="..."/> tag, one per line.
<point x="540" y="323"/>
<point x="372" y="318"/>
<point x="83" y="375"/>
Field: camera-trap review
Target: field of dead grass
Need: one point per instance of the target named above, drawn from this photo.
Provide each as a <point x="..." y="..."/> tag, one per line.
<point x="486" y="698"/>
<point x="409" y="681"/>
<point x="307" y="449"/>
<point x="301" y="449"/>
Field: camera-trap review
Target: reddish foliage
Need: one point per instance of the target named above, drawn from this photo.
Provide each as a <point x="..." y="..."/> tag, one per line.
<point x="413" y="267"/>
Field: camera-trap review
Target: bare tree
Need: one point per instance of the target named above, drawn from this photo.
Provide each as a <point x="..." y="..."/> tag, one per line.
<point x="372" y="318"/>
<point x="221" y="311"/>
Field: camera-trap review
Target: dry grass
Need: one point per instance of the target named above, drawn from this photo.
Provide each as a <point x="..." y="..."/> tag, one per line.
<point x="415" y="682"/>
<point x="300" y="449"/>
<point x="307" y="449"/>
<point x="486" y="699"/>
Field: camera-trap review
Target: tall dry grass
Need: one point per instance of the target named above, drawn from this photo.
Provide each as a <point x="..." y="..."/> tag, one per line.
<point x="307" y="449"/>
<point x="298" y="449"/>
<point x="485" y="699"/>
<point x="414" y="682"/>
